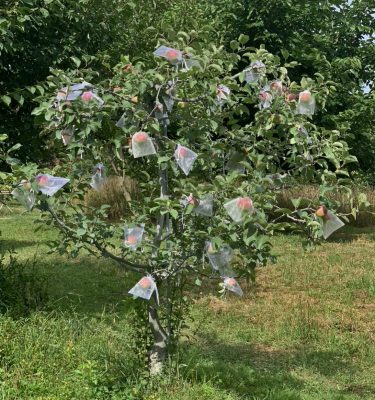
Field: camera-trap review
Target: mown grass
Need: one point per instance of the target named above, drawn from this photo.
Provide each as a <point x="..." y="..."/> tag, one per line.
<point x="305" y="331"/>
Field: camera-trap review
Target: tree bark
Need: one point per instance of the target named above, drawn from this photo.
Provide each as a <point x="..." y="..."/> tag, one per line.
<point x="158" y="352"/>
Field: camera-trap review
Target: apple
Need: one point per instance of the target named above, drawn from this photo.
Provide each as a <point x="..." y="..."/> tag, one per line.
<point x="265" y="96"/>
<point x="291" y="97"/>
<point x="127" y="67"/>
<point x="182" y="152"/>
<point x="145" y="283"/>
<point x="321" y="211"/>
<point x="192" y="200"/>
<point x="131" y="240"/>
<point x="277" y="86"/>
<point x="42" y="180"/>
<point x="172" y="55"/>
<point x="245" y="203"/>
<point x="134" y="99"/>
<point x="305" y="96"/>
<point x="87" y="96"/>
<point x="140" y="137"/>
<point x="231" y="282"/>
<point x="182" y="104"/>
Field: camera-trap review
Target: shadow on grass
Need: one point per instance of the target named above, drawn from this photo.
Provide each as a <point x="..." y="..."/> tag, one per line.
<point x="13" y="244"/>
<point x="260" y="372"/>
<point x="350" y="234"/>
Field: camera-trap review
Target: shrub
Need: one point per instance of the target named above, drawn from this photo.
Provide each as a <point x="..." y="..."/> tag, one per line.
<point x="116" y="192"/>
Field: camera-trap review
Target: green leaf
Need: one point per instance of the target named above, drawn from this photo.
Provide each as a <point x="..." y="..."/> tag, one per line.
<point x="76" y="61"/>
<point x="6" y="99"/>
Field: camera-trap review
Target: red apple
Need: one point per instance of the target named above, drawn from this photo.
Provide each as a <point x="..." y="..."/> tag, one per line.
<point x="265" y="96"/>
<point x="131" y="240"/>
<point x="305" y="96"/>
<point x="140" y="137"/>
<point x="127" y="67"/>
<point x="87" y="96"/>
<point x="321" y="211"/>
<point x="182" y="152"/>
<point x="277" y="86"/>
<point x="42" y="180"/>
<point x="231" y="282"/>
<point x="145" y="283"/>
<point x="244" y="203"/>
<point x="172" y="55"/>
<point x="192" y="200"/>
<point x="291" y="97"/>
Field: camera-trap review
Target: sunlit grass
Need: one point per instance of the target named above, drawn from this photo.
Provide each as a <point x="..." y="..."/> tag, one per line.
<point x="305" y="330"/>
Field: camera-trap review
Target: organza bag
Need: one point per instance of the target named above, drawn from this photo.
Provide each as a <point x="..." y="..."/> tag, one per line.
<point x="254" y="72"/>
<point x="306" y="103"/>
<point x="67" y="135"/>
<point x="133" y="236"/>
<point x="238" y="208"/>
<point x="72" y="93"/>
<point x="144" y="288"/>
<point x="91" y="96"/>
<point x="25" y="196"/>
<point x="304" y="132"/>
<point x="202" y="207"/>
<point x="205" y="206"/>
<point x="121" y="122"/>
<point x="185" y="158"/>
<point x="174" y="56"/>
<point x="222" y="93"/>
<point x="277" y="87"/>
<point x="265" y="98"/>
<point x="234" y="163"/>
<point x="98" y="179"/>
<point x="331" y="223"/>
<point x="49" y="184"/>
<point x="142" y="145"/>
<point x="232" y="285"/>
<point x="220" y="259"/>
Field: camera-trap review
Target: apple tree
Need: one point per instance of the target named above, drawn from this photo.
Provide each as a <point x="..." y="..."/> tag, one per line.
<point x="209" y="145"/>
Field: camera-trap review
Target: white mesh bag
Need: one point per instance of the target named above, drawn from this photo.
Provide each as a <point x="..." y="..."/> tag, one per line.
<point x="49" y="184"/>
<point x="133" y="236"/>
<point x="238" y="208"/>
<point x="174" y="56"/>
<point x="306" y="103"/>
<point x="142" y="145"/>
<point x="232" y="285"/>
<point x="185" y="158"/>
<point x="144" y="288"/>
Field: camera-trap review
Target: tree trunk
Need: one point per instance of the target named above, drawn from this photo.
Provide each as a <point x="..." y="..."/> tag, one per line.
<point x="158" y="352"/>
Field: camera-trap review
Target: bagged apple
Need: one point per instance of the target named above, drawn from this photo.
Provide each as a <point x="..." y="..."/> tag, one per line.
<point x="222" y="93"/>
<point x="277" y="87"/>
<point x="91" y="96"/>
<point x="174" y="56"/>
<point x="265" y="98"/>
<point x="330" y="221"/>
<point x="254" y="72"/>
<point x="142" y="145"/>
<point x="71" y="93"/>
<point x="49" y="184"/>
<point x="185" y="158"/>
<point x="25" y="196"/>
<point x="306" y="103"/>
<point x="238" y="208"/>
<point x="133" y="236"/>
<point x="98" y="179"/>
<point x="144" y="288"/>
<point x="232" y="285"/>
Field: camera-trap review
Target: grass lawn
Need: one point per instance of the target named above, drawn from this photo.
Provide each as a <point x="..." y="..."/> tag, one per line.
<point x="306" y="330"/>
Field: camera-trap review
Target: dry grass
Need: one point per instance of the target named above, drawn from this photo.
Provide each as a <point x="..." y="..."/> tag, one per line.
<point x="365" y="218"/>
<point x="116" y="192"/>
